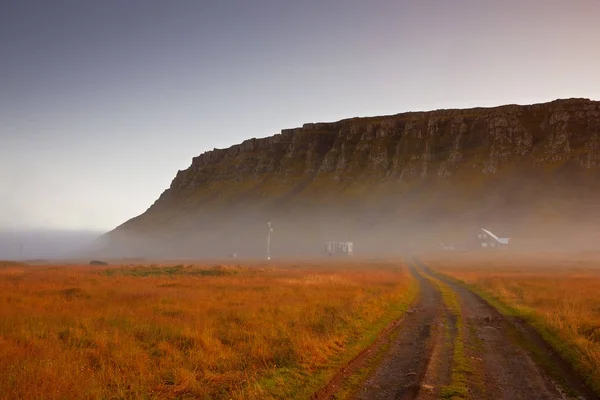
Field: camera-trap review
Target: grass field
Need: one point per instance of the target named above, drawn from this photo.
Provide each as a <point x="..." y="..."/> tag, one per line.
<point x="201" y="332"/>
<point x="558" y="294"/>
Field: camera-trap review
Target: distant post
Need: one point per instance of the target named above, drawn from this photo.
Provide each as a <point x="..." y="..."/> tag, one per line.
<point x="269" y="240"/>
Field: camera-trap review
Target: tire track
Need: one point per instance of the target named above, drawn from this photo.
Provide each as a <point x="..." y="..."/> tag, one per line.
<point x="439" y="369"/>
<point x="403" y="368"/>
<point x="408" y="345"/>
<point x="416" y="356"/>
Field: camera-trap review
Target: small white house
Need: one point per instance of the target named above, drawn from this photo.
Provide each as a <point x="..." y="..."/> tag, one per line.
<point x="488" y="240"/>
<point x="339" y="248"/>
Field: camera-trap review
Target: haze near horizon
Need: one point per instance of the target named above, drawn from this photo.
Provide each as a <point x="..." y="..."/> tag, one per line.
<point x="103" y="102"/>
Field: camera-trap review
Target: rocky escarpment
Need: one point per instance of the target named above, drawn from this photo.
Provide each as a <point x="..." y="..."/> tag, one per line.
<point x="435" y="163"/>
<point x="411" y="145"/>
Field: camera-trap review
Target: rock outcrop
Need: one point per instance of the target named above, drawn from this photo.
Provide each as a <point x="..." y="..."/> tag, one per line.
<point x="474" y="165"/>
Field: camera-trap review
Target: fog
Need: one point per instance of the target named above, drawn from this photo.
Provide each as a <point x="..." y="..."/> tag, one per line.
<point x="375" y="233"/>
<point x="378" y="233"/>
<point x="45" y="244"/>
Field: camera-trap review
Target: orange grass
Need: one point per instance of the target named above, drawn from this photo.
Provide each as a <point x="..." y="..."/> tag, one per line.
<point x="187" y="332"/>
<point x="560" y="293"/>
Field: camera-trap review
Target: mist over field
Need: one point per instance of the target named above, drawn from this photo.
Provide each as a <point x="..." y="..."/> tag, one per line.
<point x="374" y="234"/>
<point x="45" y="244"/>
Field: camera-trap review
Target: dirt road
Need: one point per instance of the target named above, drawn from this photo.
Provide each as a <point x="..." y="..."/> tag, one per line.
<point x="453" y="344"/>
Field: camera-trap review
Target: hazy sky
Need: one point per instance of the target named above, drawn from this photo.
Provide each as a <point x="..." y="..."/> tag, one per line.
<point x="101" y="102"/>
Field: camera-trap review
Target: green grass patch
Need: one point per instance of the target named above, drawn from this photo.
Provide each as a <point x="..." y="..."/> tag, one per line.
<point x="177" y="270"/>
<point x="11" y="264"/>
<point x="460" y="365"/>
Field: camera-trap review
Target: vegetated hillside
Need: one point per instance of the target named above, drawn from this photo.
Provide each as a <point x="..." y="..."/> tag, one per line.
<point x="388" y="183"/>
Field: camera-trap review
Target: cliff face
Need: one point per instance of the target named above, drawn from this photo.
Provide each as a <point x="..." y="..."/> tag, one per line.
<point x="476" y="165"/>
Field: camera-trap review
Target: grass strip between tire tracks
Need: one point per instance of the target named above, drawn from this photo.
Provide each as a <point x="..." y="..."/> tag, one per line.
<point x="457" y="389"/>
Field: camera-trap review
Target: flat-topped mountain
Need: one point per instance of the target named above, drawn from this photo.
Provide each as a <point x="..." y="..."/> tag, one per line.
<point x="388" y="183"/>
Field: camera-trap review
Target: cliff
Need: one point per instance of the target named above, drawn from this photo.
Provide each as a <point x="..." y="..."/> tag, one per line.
<point x="382" y="178"/>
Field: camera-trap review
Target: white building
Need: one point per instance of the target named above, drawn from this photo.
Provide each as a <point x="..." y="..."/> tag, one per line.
<point x="488" y="239"/>
<point x="339" y="248"/>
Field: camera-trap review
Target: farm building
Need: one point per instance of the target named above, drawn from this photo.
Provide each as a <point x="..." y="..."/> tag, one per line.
<point x="488" y="240"/>
<point x="339" y="248"/>
<point x="483" y="239"/>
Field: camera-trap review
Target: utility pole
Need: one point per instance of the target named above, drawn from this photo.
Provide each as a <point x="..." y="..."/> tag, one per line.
<point x="269" y="241"/>
<point x="21" y="253"/>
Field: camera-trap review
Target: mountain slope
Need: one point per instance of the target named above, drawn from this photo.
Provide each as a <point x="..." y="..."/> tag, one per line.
<point x="388" y="183"/>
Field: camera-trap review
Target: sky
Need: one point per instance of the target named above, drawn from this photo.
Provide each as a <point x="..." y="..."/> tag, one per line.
<point x="101" y="103"/>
